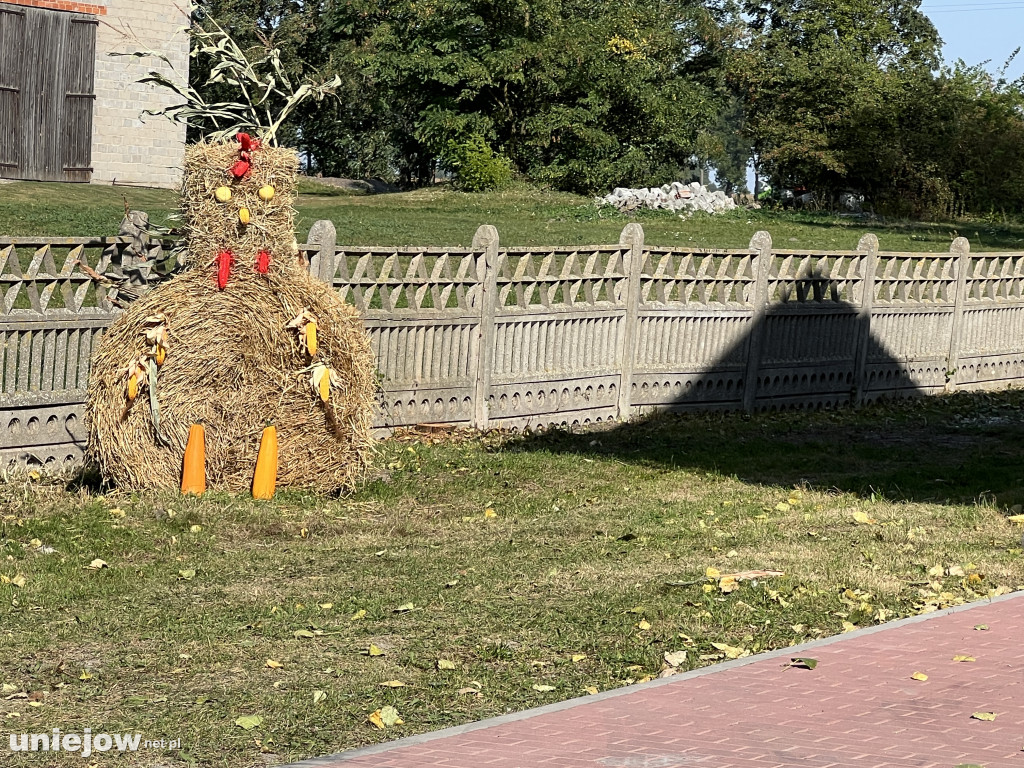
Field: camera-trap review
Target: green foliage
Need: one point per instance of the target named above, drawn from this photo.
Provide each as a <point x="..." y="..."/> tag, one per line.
<point x="813" y="76"/>
<point x="844" y="94"/>
<point x="474" y="166"/>
<point x="579" y="95"/>
<point x="830" y="95"/>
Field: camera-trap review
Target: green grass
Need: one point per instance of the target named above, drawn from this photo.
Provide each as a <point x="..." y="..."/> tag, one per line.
<point x="592" y="538"/>
<point x="522" y="216"/>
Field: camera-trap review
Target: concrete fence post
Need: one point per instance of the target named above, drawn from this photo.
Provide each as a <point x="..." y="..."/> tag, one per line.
<point x="485" y="239"/>
<point x="322" y="265"/>
<point x="762" y="243"/>
<point x="962" y="247"/>
<point x="868" y="245"/>
<point x="632" y="236"/>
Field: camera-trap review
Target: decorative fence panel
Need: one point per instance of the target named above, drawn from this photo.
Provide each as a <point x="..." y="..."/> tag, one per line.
<point x="422" y="309"/>
<point x="695" y="314"/>
<point x="492" y="335"/>
<point x="57" y="295"/>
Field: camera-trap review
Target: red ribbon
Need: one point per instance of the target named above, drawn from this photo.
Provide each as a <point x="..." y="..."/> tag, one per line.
<point x="224" y="261"/>
<point x="248" y="142"/>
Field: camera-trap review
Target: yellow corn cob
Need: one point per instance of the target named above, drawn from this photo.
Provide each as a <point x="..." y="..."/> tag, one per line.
<point x="311" y="338"/>
<point x="133" y="387"/>
<point x="161" y="354"/>
<point x="325" y="387"/>
<point x="243" y="215"/>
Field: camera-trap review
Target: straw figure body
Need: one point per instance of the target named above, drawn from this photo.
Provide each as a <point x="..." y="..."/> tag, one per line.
<point x="243" y="338"/>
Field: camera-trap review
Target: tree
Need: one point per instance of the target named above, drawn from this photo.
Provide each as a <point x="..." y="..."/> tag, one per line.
<point x="814" y="76"/>
<point x="579" y="95"/>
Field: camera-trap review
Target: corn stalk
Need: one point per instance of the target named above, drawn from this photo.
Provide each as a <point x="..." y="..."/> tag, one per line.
<point x="259" y="83"/>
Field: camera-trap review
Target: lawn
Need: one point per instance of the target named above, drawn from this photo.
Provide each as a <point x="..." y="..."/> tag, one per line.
<point x="523" y="217"/>
<point x="476" y="575"/>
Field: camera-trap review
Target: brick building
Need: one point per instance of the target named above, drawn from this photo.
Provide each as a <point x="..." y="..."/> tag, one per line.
<point x="69" y="111"/>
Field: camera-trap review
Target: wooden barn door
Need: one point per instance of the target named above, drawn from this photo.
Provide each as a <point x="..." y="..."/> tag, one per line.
<point x="47" y="60"/>
<point x="12" y="35"/>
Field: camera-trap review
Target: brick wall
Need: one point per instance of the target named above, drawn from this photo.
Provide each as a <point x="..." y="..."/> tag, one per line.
<point x="62" y="5"/>
<point x="127" y="147"/>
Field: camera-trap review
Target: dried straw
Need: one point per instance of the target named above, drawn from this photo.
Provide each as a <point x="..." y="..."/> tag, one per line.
<point x="232" y="365"/>
<point x="212" y="226"/>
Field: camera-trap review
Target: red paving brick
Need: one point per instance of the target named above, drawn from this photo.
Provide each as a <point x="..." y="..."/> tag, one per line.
<point x="859" y="707"/>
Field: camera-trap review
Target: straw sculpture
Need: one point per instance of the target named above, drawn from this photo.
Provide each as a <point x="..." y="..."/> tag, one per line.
<point x="242" y="339"/>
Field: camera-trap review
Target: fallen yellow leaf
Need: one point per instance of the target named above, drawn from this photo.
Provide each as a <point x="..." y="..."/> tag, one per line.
<point x="361" y="613"/>
<point x="728" y="584"/>
<point x="490" y="513"/>
<point x="644" y="625"/>
<point x="97" y="564"/>
<point x="18" y="581"/>
<point x="389" y="716"/>
<point x="577" y="657"/>
<point x="984" y="716"/>
<point x="542" y="688"/>
<point x="274" y="664"/>
<point x="919" y="676"/>
<point x="674" y="658"/>
<point x="964" y="658"/>
<point x="373" y="650"/>
<point x="731" y="652"/>
<point x="712" y="573"/>
<point x="862" y="518"/>
<point x="445" y="664"/>
<point x="393" y="684"/>
<point x="591" y="689"/>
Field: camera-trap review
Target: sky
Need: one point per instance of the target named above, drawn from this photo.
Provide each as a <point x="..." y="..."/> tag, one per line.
<point x="976" y="30"/>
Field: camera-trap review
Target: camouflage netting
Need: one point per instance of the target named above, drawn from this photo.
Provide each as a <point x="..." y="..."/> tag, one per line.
<point x="234" y="358"/>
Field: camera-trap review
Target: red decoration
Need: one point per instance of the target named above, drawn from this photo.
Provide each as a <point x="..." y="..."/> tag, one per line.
<point x="248" y="142"/>
<point x="263" y="262"/>
<point x="240" y="169"/>
<point x="224" y="261"/>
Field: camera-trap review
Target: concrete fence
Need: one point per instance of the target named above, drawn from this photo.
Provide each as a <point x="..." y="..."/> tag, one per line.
<point x="492" y="335"/>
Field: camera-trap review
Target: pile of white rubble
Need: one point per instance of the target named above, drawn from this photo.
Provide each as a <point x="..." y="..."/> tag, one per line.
<point x="683" y="198"/>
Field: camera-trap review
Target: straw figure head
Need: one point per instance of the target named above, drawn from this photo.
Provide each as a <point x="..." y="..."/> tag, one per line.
<point x="242" y="339"/>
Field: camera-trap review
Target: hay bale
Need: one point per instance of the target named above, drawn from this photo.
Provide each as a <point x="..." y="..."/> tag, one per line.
<point x="211" y="226"/>
<point x="232" y="364"/>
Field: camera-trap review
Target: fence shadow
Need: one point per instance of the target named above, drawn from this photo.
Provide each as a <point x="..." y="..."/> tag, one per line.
<point x="957" y="448"/>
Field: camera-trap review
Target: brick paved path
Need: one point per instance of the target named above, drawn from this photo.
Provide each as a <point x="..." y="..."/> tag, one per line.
<point x="859" y="707"/>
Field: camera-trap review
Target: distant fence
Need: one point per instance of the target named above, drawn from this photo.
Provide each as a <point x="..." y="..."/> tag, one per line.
<point x="495" y="335"/>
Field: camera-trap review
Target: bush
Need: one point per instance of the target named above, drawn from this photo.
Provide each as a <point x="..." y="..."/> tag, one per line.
<point x="474" y="165"/>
